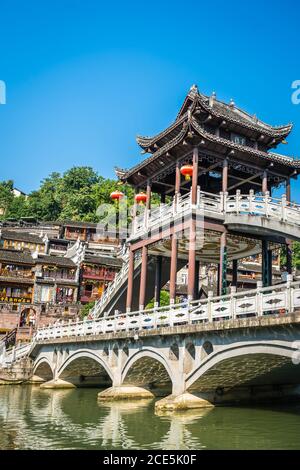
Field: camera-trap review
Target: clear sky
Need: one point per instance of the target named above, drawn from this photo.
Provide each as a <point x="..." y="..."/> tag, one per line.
<point x="84" y="77"/>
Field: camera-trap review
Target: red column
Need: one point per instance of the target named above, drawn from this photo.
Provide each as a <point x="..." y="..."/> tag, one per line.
<point x="192" y="234"/>
<point x="148" y="202"/>
<point x="130" y="281"/>
<point x="143" y="278"/>
<point x="225" y="176"/>
<point x="192" y="260"/>
<point x="289" y="244"/>
<point x="173" y="268"/>
<point x="265" y="182"/>
<point x="195" y="175"/>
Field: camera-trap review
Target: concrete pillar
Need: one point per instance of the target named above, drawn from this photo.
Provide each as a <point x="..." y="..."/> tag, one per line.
<point x="157" y="286"/>
<point x="173" y="267"/>
<point x="223" y="265"/>
<point x="225" y="176"/>
<point x="143" y="278"/>
<point x="195" y="175"/>
<point x="130" y="281"/>
<point x="192" y="260"/>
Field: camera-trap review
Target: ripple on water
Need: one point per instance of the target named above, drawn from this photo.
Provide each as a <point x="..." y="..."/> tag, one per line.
<point x="31" y="418"/>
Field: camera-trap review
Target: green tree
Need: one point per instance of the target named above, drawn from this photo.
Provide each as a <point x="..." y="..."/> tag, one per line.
<point x="17" y="208"/>
<point x="6" y="196"/>
<point x="164" y="299"/>
<point x="86" y="309"/>
<point x="295" y="255"/>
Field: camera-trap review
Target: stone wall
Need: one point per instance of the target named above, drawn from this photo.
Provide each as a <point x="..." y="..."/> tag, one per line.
<point x="45" y="315"/>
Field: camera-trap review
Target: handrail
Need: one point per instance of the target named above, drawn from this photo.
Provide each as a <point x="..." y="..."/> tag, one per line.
<point x="222" y="204"/>
<point x="253" y="204"/>
<point x="279" y="299"/>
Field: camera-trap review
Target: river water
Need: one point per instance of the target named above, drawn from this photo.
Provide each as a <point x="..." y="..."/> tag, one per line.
<point x="31" y="418"/>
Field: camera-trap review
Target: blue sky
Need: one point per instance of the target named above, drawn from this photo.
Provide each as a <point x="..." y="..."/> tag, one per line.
<point x="85" y="77"/>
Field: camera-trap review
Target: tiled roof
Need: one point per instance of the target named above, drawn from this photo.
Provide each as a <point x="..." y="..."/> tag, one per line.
<point x="16" y="256"/>
<point x="103" y="260"/>
<point x="55" y="261"/>
<point x="21" y="236"/>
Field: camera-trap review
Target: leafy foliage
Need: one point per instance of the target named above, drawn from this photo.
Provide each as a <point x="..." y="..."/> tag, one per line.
<point x="75" y="195"/>
<point x="295" y="258"/>
<point x="164" y="299"/>
<point x="86" y="309"/>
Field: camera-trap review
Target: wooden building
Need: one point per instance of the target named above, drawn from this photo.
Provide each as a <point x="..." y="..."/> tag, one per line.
<point x="213" y="161"/>
<point x="96" y="274"/>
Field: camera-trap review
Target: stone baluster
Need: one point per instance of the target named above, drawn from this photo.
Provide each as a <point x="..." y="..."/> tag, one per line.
<point x="237" y="201"/>
<point x="251" y="201"/>
<point x="283" y="207"/>
<point x="267" y="203"/>
<point x="209" y="305"/>
<point x="290" y="294"/>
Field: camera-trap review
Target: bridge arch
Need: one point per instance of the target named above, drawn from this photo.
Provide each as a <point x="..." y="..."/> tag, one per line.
<point x="148" y="368"/>
<point x="85" y="368"/>
<point x="238" y="365"/>
<point x="43" y="369"/>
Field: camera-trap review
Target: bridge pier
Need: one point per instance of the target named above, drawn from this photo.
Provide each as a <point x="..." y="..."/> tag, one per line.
<point x="57" y="384"/>
<point x="185" y="401"/>
<point x="124" y="392"/>
<point x="36" y="380"/>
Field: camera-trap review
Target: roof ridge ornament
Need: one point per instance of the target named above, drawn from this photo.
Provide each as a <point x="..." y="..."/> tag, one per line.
<point x="194" y="90"/>
<point x="232" y="103"/>
<point x="212" y="99"/>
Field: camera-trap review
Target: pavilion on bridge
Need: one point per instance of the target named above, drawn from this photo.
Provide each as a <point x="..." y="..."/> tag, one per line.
<point x="215" y="156"/>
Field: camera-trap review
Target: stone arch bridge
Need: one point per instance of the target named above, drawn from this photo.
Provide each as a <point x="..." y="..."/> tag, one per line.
<point x="189" y="365"/>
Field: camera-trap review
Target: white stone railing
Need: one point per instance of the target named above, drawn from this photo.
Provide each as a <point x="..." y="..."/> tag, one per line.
<point x="220" y="204"/>
<point x="252" y="204"/>
<point x="280" y="299"/>
<point x="166" y="213"/>
<point x="7" y="357"/>
<point x="207" y="203"/>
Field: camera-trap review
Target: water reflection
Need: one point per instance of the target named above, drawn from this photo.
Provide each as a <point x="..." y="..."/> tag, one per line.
<point x="31" y="418"/>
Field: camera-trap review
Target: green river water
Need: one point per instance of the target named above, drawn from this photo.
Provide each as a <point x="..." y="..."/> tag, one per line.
<point x="31" y="418"/>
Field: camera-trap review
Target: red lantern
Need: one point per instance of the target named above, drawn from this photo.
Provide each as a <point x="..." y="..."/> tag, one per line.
<point x="187" y="171"/>
<point x="116" y="195"/>
<point x="141" y="198"/>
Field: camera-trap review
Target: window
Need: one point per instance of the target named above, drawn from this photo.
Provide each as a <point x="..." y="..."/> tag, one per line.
<point x="238" y="139"/>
